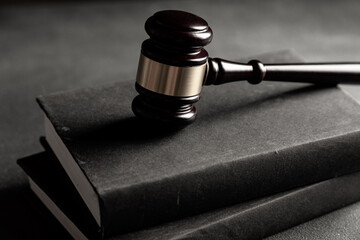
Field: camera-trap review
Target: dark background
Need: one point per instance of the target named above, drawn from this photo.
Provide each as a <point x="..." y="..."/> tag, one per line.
<point x="54" y="46"/>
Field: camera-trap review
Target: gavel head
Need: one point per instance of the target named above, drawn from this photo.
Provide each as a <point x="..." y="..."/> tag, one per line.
<point x="172" y="67"/>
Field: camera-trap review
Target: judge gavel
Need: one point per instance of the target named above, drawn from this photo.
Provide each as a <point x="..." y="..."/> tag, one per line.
<point x="174" y="66"/>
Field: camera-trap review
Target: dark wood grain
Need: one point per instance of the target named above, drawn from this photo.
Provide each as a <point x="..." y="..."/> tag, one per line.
<point x="223" y="71"/>
<point x="168" y="111"/>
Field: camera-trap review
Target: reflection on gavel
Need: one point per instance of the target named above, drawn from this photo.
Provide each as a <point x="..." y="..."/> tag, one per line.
<point x="174" y="66"/>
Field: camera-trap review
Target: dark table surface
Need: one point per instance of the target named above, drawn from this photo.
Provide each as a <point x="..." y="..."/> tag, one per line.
<point x="47" y="47"/>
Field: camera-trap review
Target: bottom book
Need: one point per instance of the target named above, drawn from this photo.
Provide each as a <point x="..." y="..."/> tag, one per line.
<point x="250" y="220"/>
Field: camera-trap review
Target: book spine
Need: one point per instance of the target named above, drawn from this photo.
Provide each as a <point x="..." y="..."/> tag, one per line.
<point x="152" y="203"/>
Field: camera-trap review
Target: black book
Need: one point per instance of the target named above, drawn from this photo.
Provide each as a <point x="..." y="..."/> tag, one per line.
<point x="248" y="142"/>
<point x="249" y="220"/>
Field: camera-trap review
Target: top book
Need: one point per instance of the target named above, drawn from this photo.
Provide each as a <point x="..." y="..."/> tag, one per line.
<point x="247" y="142"/>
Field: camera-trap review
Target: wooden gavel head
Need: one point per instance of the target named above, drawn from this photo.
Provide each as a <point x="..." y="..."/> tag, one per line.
<point x="172" y="67"/>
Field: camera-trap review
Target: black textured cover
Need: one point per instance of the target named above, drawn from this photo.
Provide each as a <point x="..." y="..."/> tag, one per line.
<point x="250" y="220"/>
<point x="262" y="217"/>
<point x="248" y="141"/>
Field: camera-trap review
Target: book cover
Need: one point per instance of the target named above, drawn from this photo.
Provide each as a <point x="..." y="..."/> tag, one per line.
<point x="248" y="142"/>
<point x="249" y="220"/>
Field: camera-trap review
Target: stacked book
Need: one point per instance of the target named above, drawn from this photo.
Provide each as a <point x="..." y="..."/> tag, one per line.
<point x="258" y="160"/>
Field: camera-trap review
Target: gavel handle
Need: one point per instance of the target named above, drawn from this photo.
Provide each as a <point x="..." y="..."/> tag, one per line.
<point x="222" y="71"/>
